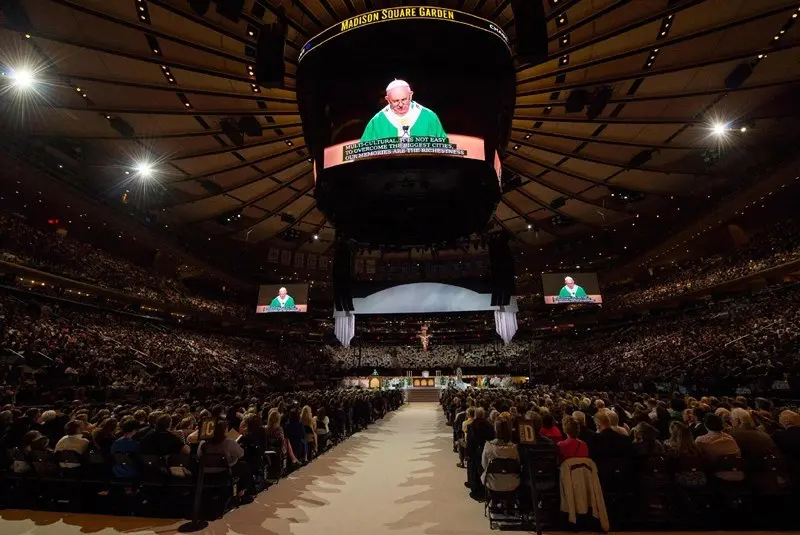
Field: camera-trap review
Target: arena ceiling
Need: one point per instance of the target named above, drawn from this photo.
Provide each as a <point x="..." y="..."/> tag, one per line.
<point x="173" y="76"/>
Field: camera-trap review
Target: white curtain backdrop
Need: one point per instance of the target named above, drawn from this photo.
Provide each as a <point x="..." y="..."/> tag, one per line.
<point x="345" y="328"/>
<point x="505" y="323"/>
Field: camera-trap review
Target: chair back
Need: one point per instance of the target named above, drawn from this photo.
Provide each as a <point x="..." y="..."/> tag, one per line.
<point x="43" y="462"/>
<point x="125" y="459"/>
<point x="503" y="466"/>
<point x="214" y="463"/>
<point x="181" y="465"/>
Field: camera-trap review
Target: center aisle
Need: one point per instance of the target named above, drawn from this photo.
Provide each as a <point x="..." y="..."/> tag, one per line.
<point x="399" y="476"/>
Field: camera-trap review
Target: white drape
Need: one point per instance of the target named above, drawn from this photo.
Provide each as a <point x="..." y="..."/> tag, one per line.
<point x="345" y="328"/>
<point x="505" y="323"/>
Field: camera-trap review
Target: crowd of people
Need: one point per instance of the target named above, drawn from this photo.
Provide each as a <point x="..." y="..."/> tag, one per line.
<point x="748" y="341"/>
<point x="638" y="441"/>
<point x="51" y="349"/>
<point x="415" y="357"/>
<point x="21" y="243"/>
<point x="775" y="245"/>
<point x="297" y="426"/>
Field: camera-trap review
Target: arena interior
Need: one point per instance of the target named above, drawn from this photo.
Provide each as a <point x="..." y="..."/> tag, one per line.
<point x="289" y="267"/>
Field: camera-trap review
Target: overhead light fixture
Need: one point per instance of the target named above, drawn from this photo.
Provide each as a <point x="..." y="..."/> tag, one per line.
<point x="144" y="169"/>
<point x="22" y="79"/>
<point x="316" y="237"/>
<point x="719" y="129"/>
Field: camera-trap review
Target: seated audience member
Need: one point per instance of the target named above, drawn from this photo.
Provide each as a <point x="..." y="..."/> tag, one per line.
<point x="220" y="444"/>
<point x="717" y="444"/>
<point x="310" y="430"/>
<point x="103" y="436"/>
<point x="500" y="448"/>
<point x="479" y="432"/>
<point x="274" y="434"/>
<point x="126" y="444"/>
<point x="161" y="441"/>
<point x="645" y="441"/>
<point x="462" y="438"/>
<point x="32" y="441"/>
<point x="613" y="417"/>
<point x="572" y="446"/>
<point x="788" y="439"/>
<point x="322" y="422"/>
<point x="296" y="435"/>
<point x="685" y="456"/>
<point x="584" y="433"/>
<point x="752" y="442"/>
<point x="73" y="440"/>
<point x="549" y="428"/>
<point x="607" y="443"/>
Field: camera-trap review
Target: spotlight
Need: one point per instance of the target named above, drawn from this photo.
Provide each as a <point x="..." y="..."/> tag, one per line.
<point x="145" y="170"/>
<point x="316" y="237"/>
<point x="719" y="129"/>
<point x="743" y="129"/>
<point x="22" y="79"/>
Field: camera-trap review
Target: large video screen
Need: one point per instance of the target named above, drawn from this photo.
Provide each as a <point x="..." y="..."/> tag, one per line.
<point x="402" y="126"/>
<point x="282" y="298"/>
<point x="396" y="93"/>
<point x="565" y="288"/>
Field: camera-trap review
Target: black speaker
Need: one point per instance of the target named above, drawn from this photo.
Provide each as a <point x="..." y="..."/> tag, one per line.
<point x="15" y="15"/>
<point x="230" y="9"/>
<point x="250" y="126"/>
<point x="232" y="133"/>
<point x="342" y="270"/>
<point x="600" y="98"/>
<point x="531" y="30"/>
<point x="121" y="126"/>
<point x="738" y="75"/>
<point x="270" y="62"/>
<point x="501" y="270"/>
<point x="200" y="6"/>
<point x="577" y="100"/>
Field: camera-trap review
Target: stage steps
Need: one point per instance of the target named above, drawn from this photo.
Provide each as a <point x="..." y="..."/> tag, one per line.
<point x="426" y="394"/>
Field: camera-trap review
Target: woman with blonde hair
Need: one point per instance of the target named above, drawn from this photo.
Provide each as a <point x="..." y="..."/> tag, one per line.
<point x="274" y="433"/>
<point x="310" y="428"/>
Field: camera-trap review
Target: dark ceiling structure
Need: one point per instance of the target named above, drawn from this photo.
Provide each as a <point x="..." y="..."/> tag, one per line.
<point x="616" y="124"/>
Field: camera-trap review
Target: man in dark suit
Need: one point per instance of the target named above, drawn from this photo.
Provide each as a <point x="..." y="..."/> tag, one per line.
<point x="479" y="432"/>
<point x="608" y="444"/>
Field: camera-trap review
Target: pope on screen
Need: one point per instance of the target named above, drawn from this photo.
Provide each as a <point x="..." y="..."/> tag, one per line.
<point x="571" y="289"/>
<point x="402" y="117"/>
<point x="282" y="300"/>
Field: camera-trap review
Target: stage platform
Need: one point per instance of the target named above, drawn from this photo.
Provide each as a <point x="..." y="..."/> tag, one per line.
<point x="427" y="394"/>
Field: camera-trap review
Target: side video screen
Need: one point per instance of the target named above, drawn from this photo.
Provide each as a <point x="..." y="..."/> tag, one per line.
<point x="282" y="298"/>
<point x="565" y="288"/>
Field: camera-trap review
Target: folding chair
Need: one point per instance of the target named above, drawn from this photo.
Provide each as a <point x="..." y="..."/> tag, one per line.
<point x="508" y="513"/>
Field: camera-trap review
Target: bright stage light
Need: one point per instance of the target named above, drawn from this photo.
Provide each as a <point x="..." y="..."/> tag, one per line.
<point x="145" y="170"/>
<point x="719" y="128"/>
<point x="22" y="79"/>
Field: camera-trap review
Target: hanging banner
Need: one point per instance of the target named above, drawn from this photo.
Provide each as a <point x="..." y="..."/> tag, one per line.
<point x="273" y="255"/>
<point x="312" y="261"/>
<point x="286" y="257"/>
<point x="299" y="260"/>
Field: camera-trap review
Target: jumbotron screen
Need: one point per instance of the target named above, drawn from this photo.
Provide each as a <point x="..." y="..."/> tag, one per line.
<point x="402" y="125"/>
<point x="282" y="298"/>
<point x="392" y="101"/>
<point x="566" y="288"/>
